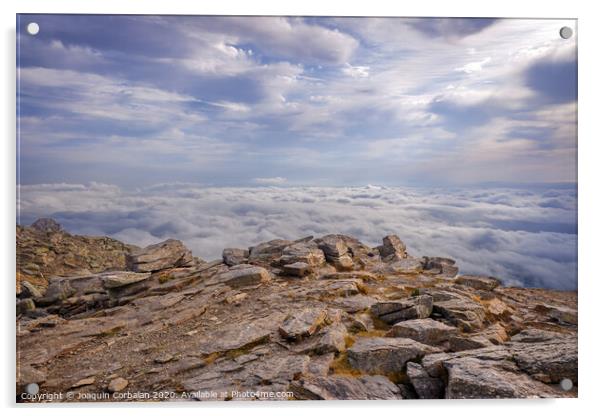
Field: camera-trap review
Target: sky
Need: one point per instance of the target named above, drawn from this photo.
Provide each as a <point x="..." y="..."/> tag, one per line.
<point x="246" y="101"/>
<point x="459" y="135"/>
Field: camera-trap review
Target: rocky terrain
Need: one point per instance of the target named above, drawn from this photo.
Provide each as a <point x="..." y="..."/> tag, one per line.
<point x="313" y="318"/>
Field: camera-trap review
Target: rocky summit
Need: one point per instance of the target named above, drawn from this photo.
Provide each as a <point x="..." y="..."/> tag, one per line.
<point x="325" y="318"/>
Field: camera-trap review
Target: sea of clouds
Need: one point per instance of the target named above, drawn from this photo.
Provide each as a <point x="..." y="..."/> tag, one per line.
<point x="526" y="237"/>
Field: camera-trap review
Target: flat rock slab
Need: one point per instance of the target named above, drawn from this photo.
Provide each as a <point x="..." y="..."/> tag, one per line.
<point x="558" y="313"/>
<point x="478" y="282"/>
<point x="302" y="323"/>
<point x="235" y="337"/>
<point x="550" y="361"/>
<point x="119" y="279"/>
<point x="333" y="340"/>
<point x="464" y="313"/>
<point x="427" y="331"/>
<point x="382" y="355"/>
<point x="411" y="308"/>
<point x="356" y="303"/>
<point x="244" y="275"/>
<point x="163" y="255"/>
<point x="346" y="388"/>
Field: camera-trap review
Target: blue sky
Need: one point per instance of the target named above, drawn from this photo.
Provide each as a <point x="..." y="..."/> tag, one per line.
<point x="237" y="101"/>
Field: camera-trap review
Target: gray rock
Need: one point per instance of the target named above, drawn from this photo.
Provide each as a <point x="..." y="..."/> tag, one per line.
<point x="463" y="343"/>
<point x="119" y="279"/>
<point x="333" y="339"/>
<point x="462" y="312"/>
<point x="409" y="265"/>
<point x="29" y="291"/>
<point x="244" y="275"/>
<point x="345" y="388"/>
<point x="58" y="290"/>
<point x="478" y="282"/>
<point x="303" y="323"/>
<point x="280" y="368"/>
<point x="117" y="384"/>
<point x="25" y="305"/>
<point x="302" y="252"/>
<point x="426" y="387"/>
<point x="385" y="355"/>
<point x="558" y="313"/>
<point x="237" y="336"/>
<point x="411" y="308"/>
<point x="234" y="256"/>
<point x="426" y="331"/>
<point x="392" y="249"/>
<point x="164" y="255"/>
<point x="298" y="269"/>
<point x="266" y="253"/>
<point x="440" y="265"/>
<point x="549" y="362"/>
<point x="353" y="304"/>
<point x="530" y="335"/>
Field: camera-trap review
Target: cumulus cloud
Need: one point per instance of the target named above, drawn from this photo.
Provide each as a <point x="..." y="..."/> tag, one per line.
<point x="524" y="236"/>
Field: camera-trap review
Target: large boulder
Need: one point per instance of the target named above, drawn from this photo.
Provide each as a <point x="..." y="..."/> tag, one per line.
<point x="426" y="387"/>
<point x="392" y="249"/>
<point x="167" y="254"/>
<point x="337" y="387"/>
<point x="380" y="355"/>
<point x="478" y="282"/>
<point x="244" y="275"/>
<point x="462" y="312"/>
<point x="440" y="265"/>
<point x="426" y="331"/>
<point x="302" y="323"/>
<point x="411" y="308"/>
<point x="266" y="253"/>
<point x="235" y="256"/>
<point x="119" y="279"/>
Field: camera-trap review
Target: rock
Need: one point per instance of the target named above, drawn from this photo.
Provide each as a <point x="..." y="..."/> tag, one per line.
<point x="478" y="282"/>
<point x="237" y="336"/>
<point x="117" y="384"/>
<point x="345" y="388"/>
<point x="29" y="291"/>
<point x="392" y="249"/>
<point x="280" y="369"/>
<point x="164" y="358"/>
<point x="440" y="265"/>
<point x="58" y="290"/>
<point x="530" y="335"/>
<point x="119" y="279"/>
<point x="463" y="343"/>
<point x="25" y="305"/>
<point x="234" y="256"/>
<point x="426" y="387"/>
<point x="409" y="265"/>
<point x="302" y="324"/>
<point x="385" y="355"/>
<point x="558" y="313"/>
<point x="475" y="379"/>
<point x="266" y="253"/>
<point x="46" y="225"/>
<point x="336" y="251"/>
<point x="169" y="253"/>
<point x="426" y="331"/>
<point x="353" y="304"/>
<point x="498" y="308"/>
<point x="462" y="312"/>
<point x="26" y="375"/>
<point x="302" y="252"/>
<point x="411" y="308"/>
<point x="333" y="339"/>
<point x="298" y="269"/>
<point x="245" y="275"/>
<point x="84" y="382"/>
<point x="549" y="362"/>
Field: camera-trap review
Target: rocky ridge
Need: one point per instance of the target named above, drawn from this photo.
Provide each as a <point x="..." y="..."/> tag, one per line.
<point x="313" y="318"/>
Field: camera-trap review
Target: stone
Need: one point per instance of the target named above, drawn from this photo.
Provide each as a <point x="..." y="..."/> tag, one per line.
<point x="462" y="312"/>
<point x="549" y="362"/>
<point x="298" y="269"/>
<point x="386" y="356"/>
<point x="478" y="282"/>
<point x="392" y="249"/>
<point x="475" y="379"/>
<point x="164" y="358"/>
<point x="245" y="275"/>
<point x="25" y="305"/>
<point x="46" y="225"/>
<point x="302" y="252"/>
<point x="280" y="369"/>
<point x="345" y="388"/>
<point x="426" y="331"/>
<point x="119" y="279"/>
<point x="356" y="303"/>
<point x="333" y="339"/>
<point x="117" y="384"/>
<point x="530" y="335"/>
<point x="237" y="336"/>
<point x="29" y="291"/>
<point x="409" y="265"/>
<point x="558" y="313"/>
<point x="160" y="256"/>
<point x="266" y="253"/>
<point x="84" y="382"/>
<point x="336" y="251"/>
<point x="302" y="323"/>
<point x="426" y="387"/>
<point x="441" y="266"/>
<point x="417" y="307"/>
<point x="58" y="290"/>
<point x="234" y="256"/>
<point x="463" y="343"/>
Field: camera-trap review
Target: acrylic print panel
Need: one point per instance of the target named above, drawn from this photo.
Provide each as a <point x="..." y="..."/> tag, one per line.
<point x="295" y="208"/>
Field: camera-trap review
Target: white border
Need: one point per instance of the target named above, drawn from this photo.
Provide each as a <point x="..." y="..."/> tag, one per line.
<point x="590" y="206"/>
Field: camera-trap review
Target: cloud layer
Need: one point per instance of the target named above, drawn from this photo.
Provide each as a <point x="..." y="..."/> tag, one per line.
<point x="524" y="236"/>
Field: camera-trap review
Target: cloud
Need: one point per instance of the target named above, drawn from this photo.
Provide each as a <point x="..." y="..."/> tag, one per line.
<point x="277" y="180"/>
<point x="515" y="234"/>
